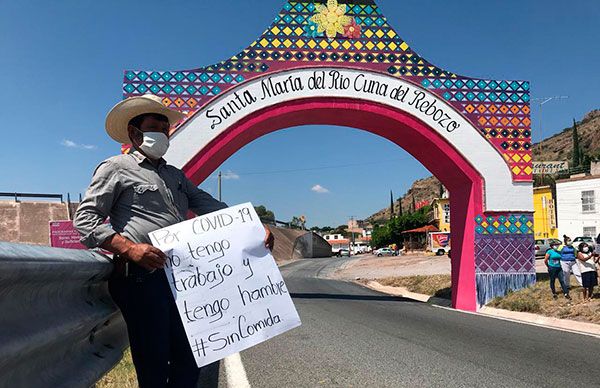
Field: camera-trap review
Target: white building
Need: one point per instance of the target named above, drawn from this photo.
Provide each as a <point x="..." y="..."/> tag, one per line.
<point x="337" y="242"/>
<point x="578" y="206"/>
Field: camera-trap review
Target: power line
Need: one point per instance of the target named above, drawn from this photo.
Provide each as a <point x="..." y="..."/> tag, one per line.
<point x="318" y="167"/>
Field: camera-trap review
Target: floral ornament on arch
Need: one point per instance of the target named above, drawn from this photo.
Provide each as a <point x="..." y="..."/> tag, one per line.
<point x="331" y="18"/>
<point x="312" y="30"/>
<point x="352" y="30"/>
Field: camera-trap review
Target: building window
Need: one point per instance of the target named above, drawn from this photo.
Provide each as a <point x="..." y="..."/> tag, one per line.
<point x="589" y="231"/>
<point x="447" y="213"/>
<point x="588" y="201"/>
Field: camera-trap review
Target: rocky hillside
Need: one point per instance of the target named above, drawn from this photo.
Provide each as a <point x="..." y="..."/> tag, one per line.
<point x="560" y="146"/>
<point x="556" y="147"/>
<point x="423" y="190"/>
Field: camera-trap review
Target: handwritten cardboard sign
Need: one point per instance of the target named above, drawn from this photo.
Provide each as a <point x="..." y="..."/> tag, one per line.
<point x="227" y="287"/>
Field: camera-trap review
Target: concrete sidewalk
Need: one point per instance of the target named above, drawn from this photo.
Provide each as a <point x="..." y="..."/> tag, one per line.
<point x="516" y="316"/>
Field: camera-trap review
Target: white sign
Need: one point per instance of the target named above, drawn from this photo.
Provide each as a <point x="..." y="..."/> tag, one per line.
<point x="227" y="287"/>
<point x="550" y="167"/>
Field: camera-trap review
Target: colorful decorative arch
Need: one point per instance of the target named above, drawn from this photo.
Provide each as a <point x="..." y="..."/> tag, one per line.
<point x="354" y="39"/>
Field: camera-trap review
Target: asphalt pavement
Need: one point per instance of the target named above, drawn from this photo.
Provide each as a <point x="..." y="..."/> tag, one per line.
<point x="355" y="337"/>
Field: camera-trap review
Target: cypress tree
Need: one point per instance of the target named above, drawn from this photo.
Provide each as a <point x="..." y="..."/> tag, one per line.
<point x="576" y="147"/>
<point x="391" y="205"/>
<point x="400" y="207"/>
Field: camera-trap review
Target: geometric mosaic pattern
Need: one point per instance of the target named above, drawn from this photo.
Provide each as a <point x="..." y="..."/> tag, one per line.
<point x="354" y="33"/>
<point x="504" y="224"/>
<point x="504" y="254"/>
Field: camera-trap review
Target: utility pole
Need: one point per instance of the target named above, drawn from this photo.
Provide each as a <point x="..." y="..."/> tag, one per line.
<point x="352" y="234"/>
<point x="219" y="185"/>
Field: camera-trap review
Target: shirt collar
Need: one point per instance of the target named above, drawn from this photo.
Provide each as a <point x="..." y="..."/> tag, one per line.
<point x="140" y="158"/>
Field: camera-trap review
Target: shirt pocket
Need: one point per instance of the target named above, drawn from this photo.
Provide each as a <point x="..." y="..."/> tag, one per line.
<point x="147" y="196"/>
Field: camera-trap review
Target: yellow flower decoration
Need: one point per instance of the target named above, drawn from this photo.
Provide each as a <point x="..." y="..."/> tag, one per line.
<point x="331" y="18"/>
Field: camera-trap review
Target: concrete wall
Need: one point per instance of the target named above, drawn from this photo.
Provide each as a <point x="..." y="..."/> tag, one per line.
<point x="284" y="242"/>
<point x="27" y="222"/>
<point x="311" y="245"/>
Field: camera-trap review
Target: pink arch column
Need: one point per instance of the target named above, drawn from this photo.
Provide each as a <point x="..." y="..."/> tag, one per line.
<point x="421" y="141"/>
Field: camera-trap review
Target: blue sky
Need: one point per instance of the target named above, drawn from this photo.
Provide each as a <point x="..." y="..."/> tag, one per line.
<point x="61" y="67"/>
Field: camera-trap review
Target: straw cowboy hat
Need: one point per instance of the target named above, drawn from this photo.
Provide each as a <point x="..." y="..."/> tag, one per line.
<point x="119" y="116"/>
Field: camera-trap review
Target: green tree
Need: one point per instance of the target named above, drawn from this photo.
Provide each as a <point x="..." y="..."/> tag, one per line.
<point x="341" y="229"/>
<point x="380" y="237"/>
<point x="576" y="147"/>
<point x="586" y="161"/>
<point x="391" y="204"/>
<point x="264" y="213"/>
<point x="296" y="223"/>
<point x="391" y="231"/>
<point x="326" y="229"/>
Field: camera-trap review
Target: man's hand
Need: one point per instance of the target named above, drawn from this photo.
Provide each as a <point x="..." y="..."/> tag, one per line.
<point x="146" y="256"/>
<point x="269" y="239"/>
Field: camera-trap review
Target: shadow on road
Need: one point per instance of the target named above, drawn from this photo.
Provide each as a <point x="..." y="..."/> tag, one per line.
<point x="382" y="298"/>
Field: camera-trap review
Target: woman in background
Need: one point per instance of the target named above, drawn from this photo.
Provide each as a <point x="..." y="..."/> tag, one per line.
<point x="568" y="262"/>
<point x="587" y="266"/>
<point x="552" y="261"/>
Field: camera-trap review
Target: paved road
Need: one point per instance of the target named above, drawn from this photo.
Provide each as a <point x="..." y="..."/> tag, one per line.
<point x="354" y="337"/>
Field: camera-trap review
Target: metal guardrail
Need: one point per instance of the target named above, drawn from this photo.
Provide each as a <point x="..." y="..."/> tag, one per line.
<point x="16" y="196"/>
<point x="58" y="325"/>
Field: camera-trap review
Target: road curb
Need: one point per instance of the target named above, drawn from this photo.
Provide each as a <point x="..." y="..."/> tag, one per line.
<point x="577" y="327"/>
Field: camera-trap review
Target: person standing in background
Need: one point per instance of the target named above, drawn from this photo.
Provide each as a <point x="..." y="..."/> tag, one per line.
<point x="568" y="262"/>
<point x="552" y="261"/>
<point x="587" y="266"/>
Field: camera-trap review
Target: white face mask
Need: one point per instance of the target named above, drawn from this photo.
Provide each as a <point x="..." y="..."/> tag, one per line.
<point x="585" y="249"/>
<point x="155" y="144"/>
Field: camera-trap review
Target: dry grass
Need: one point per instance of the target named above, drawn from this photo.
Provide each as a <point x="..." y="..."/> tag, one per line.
<point x="121" y="376"/>
<point x="435" y="285"/>
<point x="538" y="299"/>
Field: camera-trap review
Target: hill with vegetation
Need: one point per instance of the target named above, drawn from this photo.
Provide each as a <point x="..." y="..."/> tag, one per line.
<point x="556" y="147"/>
<point x="421" y="191"/>
<point x="560" y="146"/>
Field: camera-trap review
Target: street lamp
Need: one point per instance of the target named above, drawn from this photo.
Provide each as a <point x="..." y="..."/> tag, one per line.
<point x="541" y="101"/>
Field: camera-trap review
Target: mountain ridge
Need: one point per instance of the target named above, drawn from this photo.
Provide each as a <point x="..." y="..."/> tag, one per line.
<point x="557" y="147"/>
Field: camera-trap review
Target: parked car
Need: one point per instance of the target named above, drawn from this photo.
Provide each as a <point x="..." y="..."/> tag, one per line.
<point x="589" y="240"/>
<point x="543" y="244"/>
<point x="343" y="252"/>
<point x="385" y="252"/>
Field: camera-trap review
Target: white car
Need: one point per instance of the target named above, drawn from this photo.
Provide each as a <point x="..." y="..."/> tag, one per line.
<point x="385" y="252"/>
<point x="581" y="239"/>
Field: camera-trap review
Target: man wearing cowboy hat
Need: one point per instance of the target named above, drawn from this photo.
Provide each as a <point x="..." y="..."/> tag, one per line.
<point x="141" y="193"/>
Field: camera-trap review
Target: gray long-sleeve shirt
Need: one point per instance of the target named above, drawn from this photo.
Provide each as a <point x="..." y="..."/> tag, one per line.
<point x="139" y="198"/>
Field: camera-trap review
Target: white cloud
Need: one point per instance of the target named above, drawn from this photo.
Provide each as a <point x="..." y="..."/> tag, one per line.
<point x="319" y="189"/>
<point x="71" y="144"/>
<point x="230" y="175"/>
